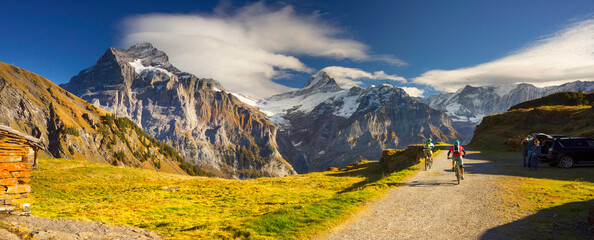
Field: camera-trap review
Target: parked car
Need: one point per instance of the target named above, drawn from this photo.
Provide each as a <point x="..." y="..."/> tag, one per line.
<point x="546" y="141"/>
<point x="568" y="151"/>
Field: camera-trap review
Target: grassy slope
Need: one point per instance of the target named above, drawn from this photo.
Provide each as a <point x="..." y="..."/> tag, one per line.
<point x="505" y="131"/>
<point x="290" y="207"/>
<point x="556" y="99"/>
<point x="550" y="203"/>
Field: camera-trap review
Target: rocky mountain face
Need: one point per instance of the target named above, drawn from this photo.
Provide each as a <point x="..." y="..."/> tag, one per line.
<point x="70" y="127"/>
<point x="322" y="125"/>
<point x="208" y="126"/>
<point x="469" y="105"/>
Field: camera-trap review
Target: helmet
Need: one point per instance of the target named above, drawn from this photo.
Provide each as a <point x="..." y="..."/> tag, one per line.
<point x="456" y="142"/>
<point x="429" y="139"/>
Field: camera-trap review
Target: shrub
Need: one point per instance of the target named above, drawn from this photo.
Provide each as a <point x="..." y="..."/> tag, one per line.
<point x="120" y="155"/>
<point x="71" y="131"/>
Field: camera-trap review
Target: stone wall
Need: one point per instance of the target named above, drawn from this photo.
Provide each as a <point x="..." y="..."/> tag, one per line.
<point x="15" y="172"/>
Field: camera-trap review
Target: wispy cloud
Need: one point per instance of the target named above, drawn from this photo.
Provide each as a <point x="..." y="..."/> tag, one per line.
<point x="350" y="77"/>
<point x="245" y="48"/>
<point x="567" y="55"/>
<point x="413" y="91"/>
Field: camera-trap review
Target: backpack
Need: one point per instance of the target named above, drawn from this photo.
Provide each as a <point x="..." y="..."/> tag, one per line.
<point x="457" y="149"/>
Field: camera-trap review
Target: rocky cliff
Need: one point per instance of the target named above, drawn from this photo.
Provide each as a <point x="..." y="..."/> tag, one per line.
<point x="325" y="126"/>
<point x="209" y="126"/>
<point x="70" y="127"/>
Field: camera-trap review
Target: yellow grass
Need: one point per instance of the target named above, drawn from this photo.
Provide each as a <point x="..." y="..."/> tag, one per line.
<point x="290" y="207"/>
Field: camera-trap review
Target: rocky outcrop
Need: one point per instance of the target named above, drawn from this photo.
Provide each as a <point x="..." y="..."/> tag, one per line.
<point x="209" y="126"/>
<point x="69" y="127"/>
<point x="469" y="105"/>
<point x="325" y="126"/>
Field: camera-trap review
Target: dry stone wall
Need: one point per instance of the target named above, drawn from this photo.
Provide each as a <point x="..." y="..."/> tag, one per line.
<point x="17" y="153"/>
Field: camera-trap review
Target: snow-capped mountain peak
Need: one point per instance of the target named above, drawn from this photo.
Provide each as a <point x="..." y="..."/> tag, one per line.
<point x="321" y="80"/>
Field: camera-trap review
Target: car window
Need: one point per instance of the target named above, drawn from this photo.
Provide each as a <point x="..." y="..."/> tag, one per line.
<point x="591" y="143"/>
<point x="567" y="143"/>
<point x="580" y="143"/>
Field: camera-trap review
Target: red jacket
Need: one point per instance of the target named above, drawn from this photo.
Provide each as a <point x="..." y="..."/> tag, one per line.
<point x="457" y="154"/>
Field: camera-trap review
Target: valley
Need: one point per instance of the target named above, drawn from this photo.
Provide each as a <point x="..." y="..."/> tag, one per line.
<point x="270" y="119"/>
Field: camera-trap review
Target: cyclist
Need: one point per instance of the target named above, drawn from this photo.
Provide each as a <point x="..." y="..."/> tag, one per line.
<point x="457" y="156"/>
<point x="428" y="149"/>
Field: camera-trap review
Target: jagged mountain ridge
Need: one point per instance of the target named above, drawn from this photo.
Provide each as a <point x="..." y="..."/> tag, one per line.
<point x="323" y="125"/>
<point x="206" y="124"/>
<point x="69" y="127"/>
<point x="469" y="105"/>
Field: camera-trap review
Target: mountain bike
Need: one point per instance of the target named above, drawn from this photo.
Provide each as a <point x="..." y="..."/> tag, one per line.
<point x="457" y="171"/>
<point x="428" y="158"/>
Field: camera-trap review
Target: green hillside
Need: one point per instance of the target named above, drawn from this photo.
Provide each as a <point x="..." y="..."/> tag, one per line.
<point x="505" y="131"/>
<point x="185" y="207"/>
<point x="558" y="99"/>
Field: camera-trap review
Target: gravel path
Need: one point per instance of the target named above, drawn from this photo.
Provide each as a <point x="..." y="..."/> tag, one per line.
<point x="432" y="206"/>
<point x="65" y="229"/>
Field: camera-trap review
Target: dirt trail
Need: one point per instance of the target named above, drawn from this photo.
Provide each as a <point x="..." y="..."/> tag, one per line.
<point x="20" y="227"/>
<point x="432" y="206"/>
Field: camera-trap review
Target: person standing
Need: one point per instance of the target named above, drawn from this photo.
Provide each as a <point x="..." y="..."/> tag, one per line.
<point x="529" y="148"/>
<point x="525" y="149"/>
<point x="536" y="150"/>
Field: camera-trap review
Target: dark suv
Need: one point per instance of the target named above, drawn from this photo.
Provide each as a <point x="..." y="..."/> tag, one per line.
<point x="568" y="151"/>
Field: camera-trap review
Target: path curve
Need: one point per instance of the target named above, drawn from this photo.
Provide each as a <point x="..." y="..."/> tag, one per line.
<point x="432" y="206"/>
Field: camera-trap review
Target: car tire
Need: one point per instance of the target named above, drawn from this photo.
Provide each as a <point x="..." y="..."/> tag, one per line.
<point x="566" y="161"/>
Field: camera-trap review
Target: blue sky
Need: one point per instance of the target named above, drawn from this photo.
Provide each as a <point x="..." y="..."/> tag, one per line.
<point x="57" y="40"/>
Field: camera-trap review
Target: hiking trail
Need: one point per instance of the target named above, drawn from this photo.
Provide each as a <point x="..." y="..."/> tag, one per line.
<point x="432" y="206"/>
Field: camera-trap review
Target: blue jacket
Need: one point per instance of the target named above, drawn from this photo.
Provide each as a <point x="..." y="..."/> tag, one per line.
<point x="530" y="145"/>
<point x="536" y="149"/>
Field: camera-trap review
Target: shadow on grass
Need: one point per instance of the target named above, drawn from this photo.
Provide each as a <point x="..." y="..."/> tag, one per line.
<point x="371" y="171"/>
<point x="566" y="221"/>
<point x="510" y="164"/>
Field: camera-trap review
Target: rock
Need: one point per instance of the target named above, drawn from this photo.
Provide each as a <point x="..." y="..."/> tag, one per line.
<point x="6" y="235"/>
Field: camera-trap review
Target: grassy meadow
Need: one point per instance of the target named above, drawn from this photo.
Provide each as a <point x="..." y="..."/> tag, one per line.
<point x="550" y="203"/>
<point x="185" y="207"/>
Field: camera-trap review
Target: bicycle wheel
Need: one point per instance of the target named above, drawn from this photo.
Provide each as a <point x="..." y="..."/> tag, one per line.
<point x="426" y="163"/>
<point x="430" y="162"/>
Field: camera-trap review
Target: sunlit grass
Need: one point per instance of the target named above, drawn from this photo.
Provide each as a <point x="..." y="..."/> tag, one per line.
<point x="290" y="207"/>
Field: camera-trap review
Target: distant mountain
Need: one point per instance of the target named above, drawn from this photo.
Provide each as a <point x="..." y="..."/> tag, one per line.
<point x="208" y="125"/>
<point x="469" y="105"/>
<point x="322" y="125"/>
<point x="70" y="127"/>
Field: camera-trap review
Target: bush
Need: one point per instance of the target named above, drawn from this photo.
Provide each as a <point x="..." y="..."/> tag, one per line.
<point x="71" y="131"/>
<point x="120" y="155"/>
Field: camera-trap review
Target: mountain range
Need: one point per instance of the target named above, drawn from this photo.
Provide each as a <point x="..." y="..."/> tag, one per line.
<point x="469" y="105"/>
<point x="318" y="126"/>
<point x="208" y="126"/>
<point x="322" y="125"/>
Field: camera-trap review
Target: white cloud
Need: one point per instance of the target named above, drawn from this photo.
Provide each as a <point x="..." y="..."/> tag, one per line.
<point x="565" y="56"/>
<point x="350" y="77"/>
<point x="248" y="47"/>
<point x="413" y="91"/>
